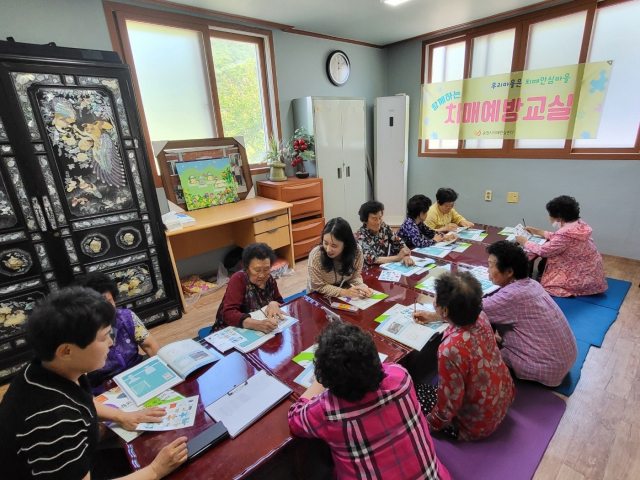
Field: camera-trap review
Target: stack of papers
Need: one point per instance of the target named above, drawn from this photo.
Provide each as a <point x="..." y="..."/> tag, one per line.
<point x="305" y="360"/>
<point x="435" y="251"/>
<point x="365" y="302"/>
<point x="400" y="326"/>
<point x="421" y="265"/>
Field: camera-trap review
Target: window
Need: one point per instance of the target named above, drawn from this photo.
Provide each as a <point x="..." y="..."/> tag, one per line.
<point x="197" y="78"/>
<point x="563" y="35"/>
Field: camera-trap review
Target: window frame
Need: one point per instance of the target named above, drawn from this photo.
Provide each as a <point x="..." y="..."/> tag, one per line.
<point x="522" y="24"/>
<point x="117" y="14"/>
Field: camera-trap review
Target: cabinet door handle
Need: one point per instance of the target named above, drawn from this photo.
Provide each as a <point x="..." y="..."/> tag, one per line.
<point x="39" y="215"/>
<point x="49" y="212"/>
<point x="348" y="171"/>
<point x="339" y="173"/>
<point x="271" y="231"/>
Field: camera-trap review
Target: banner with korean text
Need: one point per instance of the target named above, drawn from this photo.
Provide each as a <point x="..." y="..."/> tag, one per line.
<point x="560" y="102"/>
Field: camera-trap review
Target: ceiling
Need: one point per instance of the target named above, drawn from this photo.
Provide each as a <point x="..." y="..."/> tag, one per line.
<point x="364" y="20"/>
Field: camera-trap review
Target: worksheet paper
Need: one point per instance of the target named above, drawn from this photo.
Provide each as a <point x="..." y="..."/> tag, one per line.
<point x="116" y="398"/>
<point x="522" y="232"/>
<point x="421" y="264"/>
<point x="428" y="285"/>
<point x="402" y="328"/>
<point x="282" y="324"/>
<point x="180" y="414"/>
<point x="399" y="309"/>
<point x="389" y="276"/>
<point x="460" y="247"/>
<point x="147" y="380"/>
<point x="247" y="402"/>
<point x="471" y="234"/>
<point x="366" y="302"/>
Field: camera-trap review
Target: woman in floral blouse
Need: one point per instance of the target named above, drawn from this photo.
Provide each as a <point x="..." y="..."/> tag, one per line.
<point x="413" y="231"/>
<point x="379" y="244"/>
<point x="475" y="388"/>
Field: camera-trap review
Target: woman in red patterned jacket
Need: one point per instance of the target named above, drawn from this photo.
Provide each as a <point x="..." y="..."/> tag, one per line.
<point x="475" y="388"/>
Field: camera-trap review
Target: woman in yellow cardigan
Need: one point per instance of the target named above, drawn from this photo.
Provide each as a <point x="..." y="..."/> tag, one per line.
<point x="441" y="216"/>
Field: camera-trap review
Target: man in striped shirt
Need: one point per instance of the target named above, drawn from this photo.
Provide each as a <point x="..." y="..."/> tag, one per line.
<point x="48" y="420"/>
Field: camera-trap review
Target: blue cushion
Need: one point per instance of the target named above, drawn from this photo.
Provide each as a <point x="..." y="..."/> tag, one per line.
<point x="612" y="298"/>
<point x="588" y="322"/>
<point x="570" y="382"/>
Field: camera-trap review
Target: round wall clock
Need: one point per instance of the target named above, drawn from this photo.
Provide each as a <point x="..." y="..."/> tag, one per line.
<point x="338" y="67"/>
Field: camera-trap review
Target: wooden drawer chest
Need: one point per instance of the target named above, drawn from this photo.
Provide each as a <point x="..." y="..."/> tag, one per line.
<point x="307" y="213"/>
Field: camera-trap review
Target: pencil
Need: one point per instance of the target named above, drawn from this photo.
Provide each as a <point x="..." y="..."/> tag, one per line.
<point x="524" y="224"/>
<point x="414" y="306"/>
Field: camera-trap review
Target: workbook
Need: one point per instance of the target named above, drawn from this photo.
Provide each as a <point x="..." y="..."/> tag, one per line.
<point x="247" y="402"/>
<point x="421" y="265"/>
<point x="116" y="398"/>
<point x="471" y="234"/>
<point x="305" y="360"/>
<point x="173" y="363"/>
<point x="402" y="328"/>
<point x="365" y="302"/>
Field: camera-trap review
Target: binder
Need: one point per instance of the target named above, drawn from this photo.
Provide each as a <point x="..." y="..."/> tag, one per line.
<point x="246" y="403"/>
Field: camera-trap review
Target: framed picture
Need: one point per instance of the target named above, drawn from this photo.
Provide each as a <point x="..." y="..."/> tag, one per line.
<point x="225" y="156"/>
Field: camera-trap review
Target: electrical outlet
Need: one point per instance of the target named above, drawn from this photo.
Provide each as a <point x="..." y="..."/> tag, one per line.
<point x="488" y="195"/>
<point x="512" y="197"/>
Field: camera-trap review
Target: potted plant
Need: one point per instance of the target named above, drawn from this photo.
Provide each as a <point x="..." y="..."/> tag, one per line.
<point x="275" y="155"/>
<point x="300" y="149"/>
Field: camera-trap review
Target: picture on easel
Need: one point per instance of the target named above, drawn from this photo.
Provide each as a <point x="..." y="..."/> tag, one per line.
<point x="204" y="173"/>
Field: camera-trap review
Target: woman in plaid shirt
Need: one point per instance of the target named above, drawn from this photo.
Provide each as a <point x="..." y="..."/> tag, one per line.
<point x="537" y="342"/>
<point x="368" y="413"/>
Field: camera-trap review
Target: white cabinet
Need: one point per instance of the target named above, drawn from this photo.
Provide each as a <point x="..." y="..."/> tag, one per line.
<point x="339" y="127"/>
<point x="391" y="143"/>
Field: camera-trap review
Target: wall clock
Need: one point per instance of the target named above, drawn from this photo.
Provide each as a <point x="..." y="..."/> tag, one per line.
<point x="338" y="67"/>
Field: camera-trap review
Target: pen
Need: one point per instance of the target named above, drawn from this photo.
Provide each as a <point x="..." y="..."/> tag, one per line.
<point x="524" y="223"/>
<point x="414" y="306"/>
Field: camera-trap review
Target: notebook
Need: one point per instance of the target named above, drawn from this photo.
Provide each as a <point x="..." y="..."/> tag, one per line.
<point x="247" y="402"/>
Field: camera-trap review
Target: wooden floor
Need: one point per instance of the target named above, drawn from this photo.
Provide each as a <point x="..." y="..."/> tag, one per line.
<point x="599" y="435"/>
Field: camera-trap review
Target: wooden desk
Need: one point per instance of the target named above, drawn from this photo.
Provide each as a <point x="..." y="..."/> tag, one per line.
<point x="254" y="220"/>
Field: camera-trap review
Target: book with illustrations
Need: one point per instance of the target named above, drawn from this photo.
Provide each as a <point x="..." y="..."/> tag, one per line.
<point x="173" y="363"/>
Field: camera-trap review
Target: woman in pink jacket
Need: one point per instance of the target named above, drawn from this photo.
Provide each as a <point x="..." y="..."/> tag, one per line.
<point x="574" y="265"/>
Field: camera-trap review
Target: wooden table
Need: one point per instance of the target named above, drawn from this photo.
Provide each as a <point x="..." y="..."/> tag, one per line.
<point x="254" y="220"/>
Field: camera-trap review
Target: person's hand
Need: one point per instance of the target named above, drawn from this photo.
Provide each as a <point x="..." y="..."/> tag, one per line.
<point x="497" y="336"/>
<point x="451" y="227"/>
<point x="521" y="240"/>
<point x="423" y="317"/>
<point x="265" y="326"/>
<point x="450" y="236"/>
<point x="408" y="261"/>
<point x="130" y="420"/>
<point x="273" y="311"/>
<point x="535" y="231"/>
<point x="439" y="237"/>
<point x="405" y="251"/>
<point x="170" y="457"/>
<point x="467" y="223"/>
<point x="355" y="292"/>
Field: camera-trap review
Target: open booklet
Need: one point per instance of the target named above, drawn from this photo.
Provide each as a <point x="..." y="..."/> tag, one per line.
<point x="305" y="360"/>
<point x="245" y="340"/>
<point x="173" y="363"/>
<point x="116" y="398"/>
<point x="433" y="251"/>
<point x="519" y="230"/>
<point x="399" y="325"/>
<point x="472" y="234"/>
